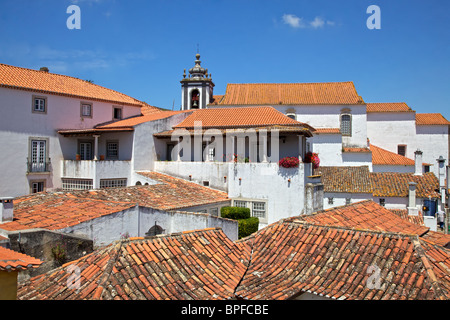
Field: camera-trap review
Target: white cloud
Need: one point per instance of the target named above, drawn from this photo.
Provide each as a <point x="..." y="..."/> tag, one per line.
<point x="297" y="22"/>
<point x="317" y="23"/>
<point x="293" y="21"/>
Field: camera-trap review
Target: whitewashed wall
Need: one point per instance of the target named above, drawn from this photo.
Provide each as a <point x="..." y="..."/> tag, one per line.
<point x="18" y="123"/>
<point x="433" y="142"/>
<point x="389" y="129"/>
<point x="137" y="221"/>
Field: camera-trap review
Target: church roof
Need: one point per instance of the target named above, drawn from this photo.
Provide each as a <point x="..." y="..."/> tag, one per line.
<point x="327" y="93"/>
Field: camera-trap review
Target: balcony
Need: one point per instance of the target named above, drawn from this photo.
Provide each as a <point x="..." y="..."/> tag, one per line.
<point x="38" y="167"/>
<point x="96" y="170"/>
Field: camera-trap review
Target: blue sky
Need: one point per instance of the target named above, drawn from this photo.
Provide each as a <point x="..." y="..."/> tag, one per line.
<point x="141" y="47"/>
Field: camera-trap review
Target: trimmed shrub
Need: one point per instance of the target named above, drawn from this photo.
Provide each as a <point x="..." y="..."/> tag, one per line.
<point x="235" y="213"/>
<point x="248" y="226"/>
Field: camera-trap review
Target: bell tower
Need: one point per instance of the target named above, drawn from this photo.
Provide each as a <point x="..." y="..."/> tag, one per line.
<point x="196" y="88"/>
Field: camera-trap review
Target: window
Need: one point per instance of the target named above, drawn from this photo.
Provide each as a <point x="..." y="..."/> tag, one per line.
<point x="112" y="150"/>
<point x="85" y="150"/>
<point x="346" y="125"/>
<point x="86" y="110"/>
<point x="117" y="113"/>
<point x="382" y="202"/>
<point x="426" y="169"/>
<point x="348" y="200"/>
<point x="401" y="150"/>
<point x="240" y="204"/>
<point x="154" y="231"/>
<point x="214" y="212"/>
<point x="39" y="104"/>
<point x="77" y="184"/>
<point x="195" y="99"/>
<point x="113" y="183"/>
<point x="330" y="200"/>
<point x="291" y="115"/>
<point x="38" y="156"/>
<point x="259" y="210"/>
<point x="37" y="186"/>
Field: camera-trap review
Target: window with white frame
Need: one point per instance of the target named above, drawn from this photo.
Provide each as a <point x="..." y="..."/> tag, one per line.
<point x="112" y="150"/>
<point x="38" y="155"/>
<point x="401" y="150"/>
<point x="77" y="184"/>
<point x="86" y="110"/>
<point x="259" y="210"/>
<point x="39" y="104"/>
<point x="330" y="200"/>
<point x="113" y="183"/>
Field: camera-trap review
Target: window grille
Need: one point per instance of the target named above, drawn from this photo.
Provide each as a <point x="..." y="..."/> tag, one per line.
<point x="113" y="183"/>
<point x="77" y="184"/>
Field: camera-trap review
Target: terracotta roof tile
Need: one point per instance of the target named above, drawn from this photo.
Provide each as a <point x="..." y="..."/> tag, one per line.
<point x="11" y="260"/>
<point x="364" y="215"/>
<point x="59" y="210"/>
<point x="328" y="131"/>
<point x="384" y="157"/>
<point x="333" y="262"/>
<point x="423" y="119"/>
<point x="131" y="122"/>
<point x="346" y="179"/>
<point x="291" y="94"/>
<point x="50" y="83"/>
<point x="127" y="270"/>
<point x="388" y="107"/>
<point x="380" y="184"/>
<point x="243" y="117"/>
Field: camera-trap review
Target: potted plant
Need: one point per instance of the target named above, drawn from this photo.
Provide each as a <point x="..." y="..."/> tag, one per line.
<point x="312" y="157"/>
<point x="289" y="162"/>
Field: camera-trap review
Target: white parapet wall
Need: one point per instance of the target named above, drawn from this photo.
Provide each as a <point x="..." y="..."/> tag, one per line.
<point x="283" y="190"/>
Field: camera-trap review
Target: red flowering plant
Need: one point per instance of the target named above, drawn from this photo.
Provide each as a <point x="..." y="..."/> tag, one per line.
<point x="312" y="157"/>
<point x="289" y="162"/>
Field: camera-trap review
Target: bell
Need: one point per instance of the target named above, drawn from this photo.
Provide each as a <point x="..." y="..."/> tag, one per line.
<point x="195" y="104"/>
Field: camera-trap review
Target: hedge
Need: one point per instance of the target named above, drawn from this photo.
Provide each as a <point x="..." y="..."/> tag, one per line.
<point x="235" y="213"/>
<point x="246" y="224"/>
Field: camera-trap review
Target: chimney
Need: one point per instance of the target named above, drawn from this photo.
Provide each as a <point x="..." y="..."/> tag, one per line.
<point x="441" y="171"/>
<point x="412" y="209"/>
<point x="418" y="163"/>
<point x="44" y="69"/>
<point x="6" y="209"/>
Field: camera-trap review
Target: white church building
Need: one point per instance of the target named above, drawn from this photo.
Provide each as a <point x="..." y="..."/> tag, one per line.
<point x="63" y="133"/>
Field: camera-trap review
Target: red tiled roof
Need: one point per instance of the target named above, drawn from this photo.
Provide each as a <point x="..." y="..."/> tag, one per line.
<point x="244" y="117"/>
<point x="346" y="179"/>
<point x="423" y="119"/>
<point x="356" y="150"/>
<point x="195" y="265"/>
<point x="328" y="131"/>
<point x="328" y="93"/>
<point x="388" y="107"/>
<point x="58" y="211"/>
<point x="394" y="184"/>
<point x="169" y="194"/>
<point x="437" y="238"/>
<point x="403" y="213"/>
<point x="366" y="215"/>
<point x="50" y="83"/>
<point x="384" y="157"/>
<point x="11" y="260"/>
<point x="293" y="257"/>
<point x="131" y="122"/>
<point x="380" y="184"/>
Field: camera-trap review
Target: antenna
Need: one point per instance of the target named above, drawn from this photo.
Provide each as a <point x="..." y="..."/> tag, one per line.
<point x="198" y="48"/>
<point x="173" y="104"/>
